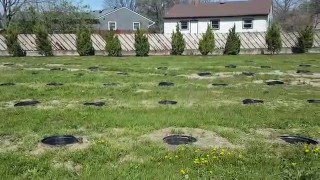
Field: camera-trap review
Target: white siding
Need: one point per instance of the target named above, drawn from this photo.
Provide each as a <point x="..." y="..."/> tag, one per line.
<point x="260" y="24"/>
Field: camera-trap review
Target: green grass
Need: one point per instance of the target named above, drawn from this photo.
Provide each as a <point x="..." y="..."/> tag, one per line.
<point x="117" y="132"/>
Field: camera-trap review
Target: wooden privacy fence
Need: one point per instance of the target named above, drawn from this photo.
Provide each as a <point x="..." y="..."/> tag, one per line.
<point x="65" y="44"/>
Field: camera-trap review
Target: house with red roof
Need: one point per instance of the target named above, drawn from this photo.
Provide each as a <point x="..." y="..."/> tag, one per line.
<point x="246" y="15"/>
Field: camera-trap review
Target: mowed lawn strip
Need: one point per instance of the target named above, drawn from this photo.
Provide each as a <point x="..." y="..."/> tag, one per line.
<point x="123" y="138"/>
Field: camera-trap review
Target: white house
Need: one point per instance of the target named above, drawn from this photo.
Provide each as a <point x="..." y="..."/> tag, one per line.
<point x="246" y="15"/>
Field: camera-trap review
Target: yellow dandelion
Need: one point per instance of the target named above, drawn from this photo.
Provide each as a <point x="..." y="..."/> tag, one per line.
<point x="307" y="150"/>
<point x="183" y="172"/>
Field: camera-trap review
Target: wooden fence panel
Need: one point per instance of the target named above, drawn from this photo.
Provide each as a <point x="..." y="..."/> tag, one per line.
<point x="158" y="42"/>
<point x="3" y="44"/>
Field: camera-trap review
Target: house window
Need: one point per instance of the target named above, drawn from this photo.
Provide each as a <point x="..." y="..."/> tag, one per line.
<point x="247" y="23"/>
<point x="184" y="25"/>
<point x="112" y="25"/>
<point x="215" y="24"/>
<point x="136" y="26"/>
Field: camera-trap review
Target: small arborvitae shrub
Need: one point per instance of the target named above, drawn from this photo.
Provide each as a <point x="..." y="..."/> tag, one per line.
<point x="141" y="44"/>
<point x="273" y="39"/>
<point x="113" y="46"/>
<point x="14" y="47"/>
<point x="207" y="43"/>
<point x="43" y="43"/>
<point x="178" y="44"/>
<point x="233" y="43"/>
<point x="84" y="43"/>
<point x="305" y="40"/>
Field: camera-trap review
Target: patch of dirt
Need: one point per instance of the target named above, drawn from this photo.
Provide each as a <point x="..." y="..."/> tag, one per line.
<point x="69" y="165"/>
<point x="37" y="69"/>
<point x="54" y="65"/>
<point x="143" y="91"/>
<point x="272" y="136"/>
<point x="41" y="148"/>
<point x="131" y="158"/>
<point x="205" y="139"/>
<point x="8" y="143"/>
<point x="214" y="76"/>
<point x="276" y="72"/>
<point x="311" y="76"/>
<point x="306" y="81"/>
<point x="196" y="76"/>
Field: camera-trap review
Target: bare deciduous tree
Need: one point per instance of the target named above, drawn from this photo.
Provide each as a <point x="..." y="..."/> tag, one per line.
<point x="11" y="7"/>
<point x="131" y="4"/>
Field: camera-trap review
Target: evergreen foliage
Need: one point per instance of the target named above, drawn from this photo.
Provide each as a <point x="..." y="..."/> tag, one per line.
<point x="14" y="47"/>
<point x="207" y="43"/>
<point x="273" y="38"/>
<point x="113" y="46"/>
<point x="84" y="43"/>
<point x="305" y="40"/>
<point x="141" y="44"/>
<point x="43" y="44"/>
<point x="178" y="44"/>
<point x="233" y="43"/>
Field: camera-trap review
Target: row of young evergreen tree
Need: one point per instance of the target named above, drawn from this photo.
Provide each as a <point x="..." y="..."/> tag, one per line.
<point x="142" y="46"/>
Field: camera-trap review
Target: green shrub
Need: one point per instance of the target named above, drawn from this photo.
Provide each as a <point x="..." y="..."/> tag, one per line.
<point x="43" y="44"/>
<point x="207" y="43"/>
<point x="273" y="39"/>
<point x="84" y="43"/>
<point x="305" y="40"/>
<point x="233" y="43"/>
<point x="14" y="47"/>
<point x="113" y="46"/>
<point x="141" y="44"/>
<point x="178" y="44"/>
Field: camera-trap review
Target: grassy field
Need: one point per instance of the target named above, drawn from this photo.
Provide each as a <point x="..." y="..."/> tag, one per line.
<point x="123" y="139"/>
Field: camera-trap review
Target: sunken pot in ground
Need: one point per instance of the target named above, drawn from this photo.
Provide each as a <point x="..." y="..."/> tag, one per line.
<point x="179" y="139"/>
<point x="60" y="140"/>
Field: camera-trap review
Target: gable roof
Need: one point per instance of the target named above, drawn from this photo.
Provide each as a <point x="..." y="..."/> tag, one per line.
<point x="102" y="13"/>
<point x="99" y="13"/>
<point x="226" y="9"/>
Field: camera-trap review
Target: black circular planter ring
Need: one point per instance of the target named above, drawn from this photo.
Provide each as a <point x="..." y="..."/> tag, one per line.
<point x="8" y="64"/>
<point x="231" y="66"/>
<point x="60" y="140"/>
<point x="122" y="73"/>
<point x="166" y="84"/>
<point x="97" y="104"/>
<point x="54" y="84"/>
<point x="26" y="103"/>
<point x="204" y="74"/>
<point x="219" y="84"/>
<point x="57" y="69"/>
<point x="303" y="72"/>
<point x="265" y="67"/>
<point x="248" y="73"/>
<point x="274" y="82"/>
<point x="252" y="101"/>
<point x="298" y="140"/>
<point x="314" y="101"/>
<point x="179" y="139"/>
<point x="168" y="102"/>
<point x="94" y="68"/>
<point x="162" y="68"/>
<point x="305" y="65"/>
<point x="7" y="84"/>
